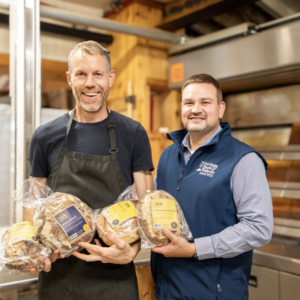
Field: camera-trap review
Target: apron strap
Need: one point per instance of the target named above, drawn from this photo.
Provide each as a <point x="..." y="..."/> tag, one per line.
<point x="113" y="150"/>
<point x="70" y="121"/>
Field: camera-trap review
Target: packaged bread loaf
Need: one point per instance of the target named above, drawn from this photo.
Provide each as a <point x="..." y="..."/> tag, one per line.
<point x="120" y="218"/>
<point x="62" y="220"/>
<point x="21" y="250"/>
<point x="157" y="210"/>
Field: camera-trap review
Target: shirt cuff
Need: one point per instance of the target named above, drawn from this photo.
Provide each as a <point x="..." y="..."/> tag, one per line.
<point x="205" y="248"/>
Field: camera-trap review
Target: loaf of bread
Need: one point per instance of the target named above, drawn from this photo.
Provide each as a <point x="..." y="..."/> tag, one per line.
<point x="24" y="254"/>
<point x="148" y="231"/>
<point x="126" y="231"/>
<point x="52" y="215"/>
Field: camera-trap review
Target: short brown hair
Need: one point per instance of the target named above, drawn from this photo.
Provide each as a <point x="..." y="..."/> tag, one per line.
<point x="91" y="48"/>
<point x="205" y="78"/>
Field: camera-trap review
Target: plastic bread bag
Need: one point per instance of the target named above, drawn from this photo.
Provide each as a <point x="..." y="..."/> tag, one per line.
<point x="62" y="220"/>
<point x="120" y="218"/>
<point x="21" y="250"/>
<point x="131" y="194"/>
<point x="31" y="193"/>
<point x="157" y="210"/>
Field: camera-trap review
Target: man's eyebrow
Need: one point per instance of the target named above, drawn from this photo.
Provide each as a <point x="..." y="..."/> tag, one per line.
<point x="190" y="99"/>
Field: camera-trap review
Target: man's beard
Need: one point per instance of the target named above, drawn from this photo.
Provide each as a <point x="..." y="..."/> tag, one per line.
<point x="86" y="106"/>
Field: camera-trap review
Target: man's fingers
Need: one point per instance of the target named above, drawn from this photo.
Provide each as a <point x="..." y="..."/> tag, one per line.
<point x="32" y="272"/>
<point x="87" y="258"/>
<point x="54" y="256"/>
<point x="159" y="250"/>
<point x="168" y="233"/>
<point x="115" y="240"/>
<point x="47" y="266"/>
<point x="97" y="242"/>
<point x="91" y="248"/>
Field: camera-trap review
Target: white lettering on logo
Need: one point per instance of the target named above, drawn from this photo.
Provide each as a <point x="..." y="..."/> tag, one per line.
<point x="207" y="169"/>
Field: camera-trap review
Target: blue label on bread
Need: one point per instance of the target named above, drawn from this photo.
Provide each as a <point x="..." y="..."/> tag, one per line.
<point x="72" y="222"/>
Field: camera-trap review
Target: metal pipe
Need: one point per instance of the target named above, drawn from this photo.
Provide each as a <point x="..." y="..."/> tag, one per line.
<point x="106" y="24"/>
<point x="278" y="22"/>
<point x="110" y="25"/>
<point x="4" y="4"/>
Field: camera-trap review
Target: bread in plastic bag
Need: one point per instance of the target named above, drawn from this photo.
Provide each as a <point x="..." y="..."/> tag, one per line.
<point x="62" y="220"/>
<point x="157" y="210"/>
<point x="120" y="218"/>
<point x="20" y="249"/>
<point x="31" y="193"/>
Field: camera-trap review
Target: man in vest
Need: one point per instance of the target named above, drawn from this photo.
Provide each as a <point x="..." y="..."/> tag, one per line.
<point x="221" y="186"/>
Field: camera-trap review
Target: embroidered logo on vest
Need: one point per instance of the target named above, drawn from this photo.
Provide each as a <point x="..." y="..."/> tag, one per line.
<point x="207" y="169"/>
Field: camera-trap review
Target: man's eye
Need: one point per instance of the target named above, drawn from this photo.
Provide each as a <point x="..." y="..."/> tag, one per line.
<point x="80" y="74"/>
<point x="98" y="74"/>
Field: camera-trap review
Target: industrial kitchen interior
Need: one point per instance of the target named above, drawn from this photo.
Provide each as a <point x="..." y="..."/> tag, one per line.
<point x="250" y="47"/>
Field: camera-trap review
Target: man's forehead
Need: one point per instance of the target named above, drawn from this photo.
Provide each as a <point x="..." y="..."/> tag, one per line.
<point x="80" y="53"/>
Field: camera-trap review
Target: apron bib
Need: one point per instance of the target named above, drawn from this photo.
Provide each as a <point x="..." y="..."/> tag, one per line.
<point x="97" y="181"/>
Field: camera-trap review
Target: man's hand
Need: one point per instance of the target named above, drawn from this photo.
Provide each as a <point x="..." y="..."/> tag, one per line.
<point x="120" y="253"/>
<point x="48" y="261"/>
<point x="178" y="246"/>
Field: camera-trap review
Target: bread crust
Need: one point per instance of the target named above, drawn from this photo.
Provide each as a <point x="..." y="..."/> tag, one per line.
<point x="23" y="255"/>
<point x="127" y="231"/>
<point x="48" y="229"/>
<point x="155" y="237"/>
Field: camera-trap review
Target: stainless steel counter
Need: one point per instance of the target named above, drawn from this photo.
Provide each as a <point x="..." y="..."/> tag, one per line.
<point x="282" y="254"/>
<point x="11" y="280"/>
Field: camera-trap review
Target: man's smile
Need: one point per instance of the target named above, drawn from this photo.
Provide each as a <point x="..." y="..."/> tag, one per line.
<point x="90" y="94"/>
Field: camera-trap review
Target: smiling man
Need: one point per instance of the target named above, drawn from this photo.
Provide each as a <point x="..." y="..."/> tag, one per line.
<point x="92" y="153"/>
<point x="221" y="186"/>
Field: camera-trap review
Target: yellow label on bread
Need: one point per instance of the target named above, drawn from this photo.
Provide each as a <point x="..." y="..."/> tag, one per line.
<point x="119" y="213"/>
<point x="164" y="214"/>
<point x="24" y="231"/>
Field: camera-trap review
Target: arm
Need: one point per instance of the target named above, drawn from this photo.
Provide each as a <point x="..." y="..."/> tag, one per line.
<point x="253" y="201"/>
<point x="143" y="180"/>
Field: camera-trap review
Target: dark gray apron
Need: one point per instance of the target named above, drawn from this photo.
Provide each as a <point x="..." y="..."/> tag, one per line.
<point x="97" y="181"/>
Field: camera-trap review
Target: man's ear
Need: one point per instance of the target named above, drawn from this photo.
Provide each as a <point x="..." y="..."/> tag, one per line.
<point x="111" y="78"/>
<point x="222" y="107"/>
<point x="69" y="78"/>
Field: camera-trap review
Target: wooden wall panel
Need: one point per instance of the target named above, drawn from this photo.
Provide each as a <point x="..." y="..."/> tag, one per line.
<point x="295" y="135"/>
<point x="286" y="208"/>
<point x="136" y="59"/>
<point x="145" y="283"/>
<point x="283" y="171"/>
<point x="167" y="112"/>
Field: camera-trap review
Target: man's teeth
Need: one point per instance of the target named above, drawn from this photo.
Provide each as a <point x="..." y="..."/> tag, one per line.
<point x="91" y="94"/>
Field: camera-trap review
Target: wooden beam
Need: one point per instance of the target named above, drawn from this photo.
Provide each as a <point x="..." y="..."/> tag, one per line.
<point x="157" y="85"/>
<point x="4" y="59"/>
<point x="183" y="13"/>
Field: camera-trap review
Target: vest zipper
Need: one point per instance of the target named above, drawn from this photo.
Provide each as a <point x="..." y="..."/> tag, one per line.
<point x="179" y="180"/>
<point x="219" y="290"/>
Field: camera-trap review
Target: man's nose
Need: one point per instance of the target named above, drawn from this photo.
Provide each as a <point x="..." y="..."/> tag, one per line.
<point x="90" y="81"/>
<point x="197" y="107"/>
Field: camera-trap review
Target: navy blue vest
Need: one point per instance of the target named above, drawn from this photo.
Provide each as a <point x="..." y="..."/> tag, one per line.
<point x="202" y="188"/>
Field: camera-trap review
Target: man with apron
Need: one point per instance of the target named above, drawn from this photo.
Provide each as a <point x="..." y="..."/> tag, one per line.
<point x="94" y="154"/>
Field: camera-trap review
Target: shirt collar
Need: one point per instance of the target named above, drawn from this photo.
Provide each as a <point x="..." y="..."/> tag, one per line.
<point x="186" y="141"/>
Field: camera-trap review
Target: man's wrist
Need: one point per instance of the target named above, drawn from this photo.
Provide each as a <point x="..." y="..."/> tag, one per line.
<point x="193" y="250"/>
